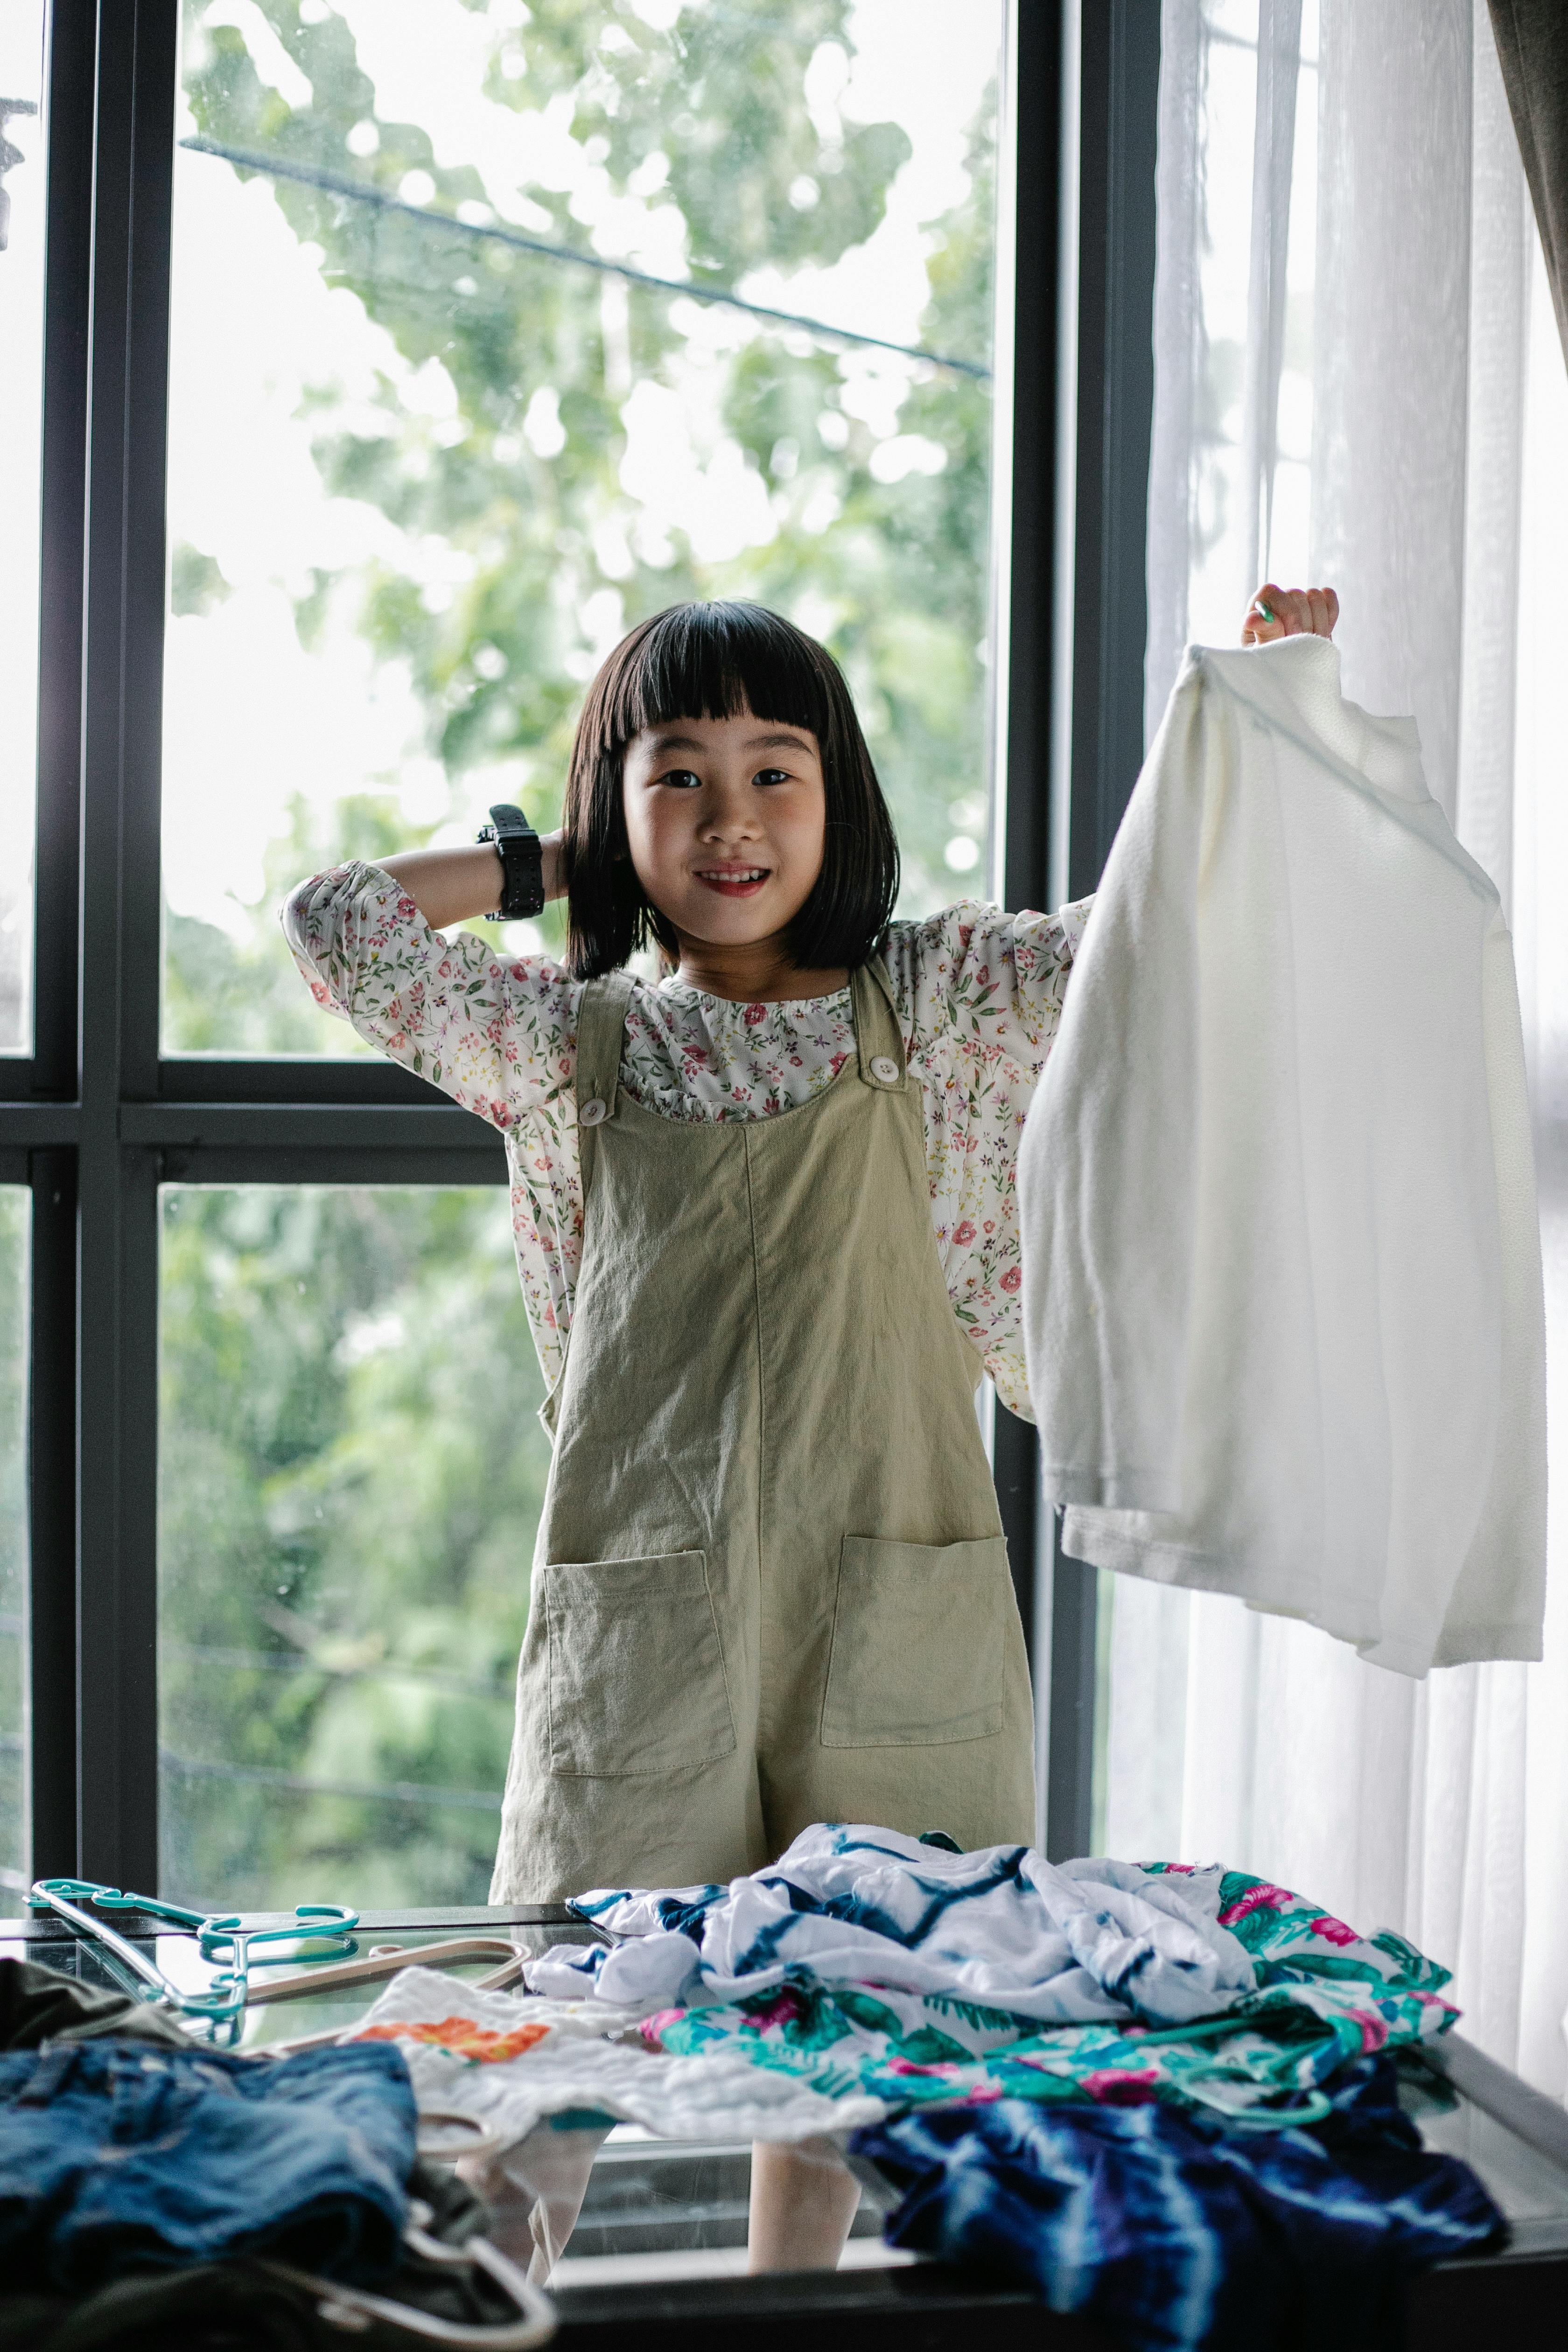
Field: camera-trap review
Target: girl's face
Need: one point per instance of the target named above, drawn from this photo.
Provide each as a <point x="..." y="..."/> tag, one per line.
<point x="725" y="818"/>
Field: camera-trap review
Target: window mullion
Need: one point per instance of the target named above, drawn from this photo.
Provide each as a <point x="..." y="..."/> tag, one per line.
<point x="1116" y="99"/>
<point x="67" y="337"/>
<point x="1034" y="103"/>
<point x="118" y="1236"/>
<point x="51" y="1511"/>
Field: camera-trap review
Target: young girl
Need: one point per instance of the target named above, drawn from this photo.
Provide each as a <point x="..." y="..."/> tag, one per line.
<point x="765" y="1222"/>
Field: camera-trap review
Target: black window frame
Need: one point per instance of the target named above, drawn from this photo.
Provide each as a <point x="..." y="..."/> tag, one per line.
<point x="97" y="1119"/>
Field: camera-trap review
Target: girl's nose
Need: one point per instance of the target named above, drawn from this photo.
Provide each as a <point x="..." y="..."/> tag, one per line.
<point x="729" y="820"/>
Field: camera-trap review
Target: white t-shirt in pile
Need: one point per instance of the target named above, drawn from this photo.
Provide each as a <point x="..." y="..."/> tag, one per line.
<point x="1283" y="1297"/>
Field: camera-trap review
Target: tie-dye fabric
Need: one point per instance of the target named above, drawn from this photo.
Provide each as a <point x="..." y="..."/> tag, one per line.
<point x="1001" y="1927"/>
<point x="1171" y="2233"/>
<point x="866" y="1963"/>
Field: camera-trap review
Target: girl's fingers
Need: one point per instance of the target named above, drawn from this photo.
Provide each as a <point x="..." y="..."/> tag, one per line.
<point x="1261" y="623"/>
<point x="1276" y="612"/>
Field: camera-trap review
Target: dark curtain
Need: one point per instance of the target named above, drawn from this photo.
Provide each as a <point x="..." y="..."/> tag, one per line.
<point x="1532" y="43"/>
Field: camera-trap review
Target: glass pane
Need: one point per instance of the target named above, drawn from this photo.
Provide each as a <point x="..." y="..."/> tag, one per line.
<point x="429" y="456"/>
<point x="351" y="1479"/>
<point x="21" y="381"/>
<point x="15" y="1224"/>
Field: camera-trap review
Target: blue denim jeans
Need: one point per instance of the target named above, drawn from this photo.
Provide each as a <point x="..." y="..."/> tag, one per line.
<point x="120" y="2156"/>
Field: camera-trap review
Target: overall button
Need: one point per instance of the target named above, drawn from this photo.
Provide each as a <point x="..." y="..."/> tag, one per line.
<point x="883" y="1067"/>
<point x="593" y="1112"/>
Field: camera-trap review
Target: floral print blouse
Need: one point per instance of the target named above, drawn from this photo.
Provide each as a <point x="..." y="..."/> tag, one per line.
<point x="979" y="994"/>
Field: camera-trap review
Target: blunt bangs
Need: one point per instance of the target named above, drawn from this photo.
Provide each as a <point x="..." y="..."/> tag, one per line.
<point x="715" y="661"/>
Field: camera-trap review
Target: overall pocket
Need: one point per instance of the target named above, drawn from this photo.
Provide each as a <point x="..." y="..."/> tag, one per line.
<point x="919" y="1633"/>
<point x="636" y="1669"/>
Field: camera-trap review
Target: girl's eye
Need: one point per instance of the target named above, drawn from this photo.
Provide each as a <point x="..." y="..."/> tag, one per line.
<point x="771" y="776"/>
<point x="683" y="779"/>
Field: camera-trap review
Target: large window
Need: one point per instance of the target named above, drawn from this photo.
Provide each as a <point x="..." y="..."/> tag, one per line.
<point x="490" y="334"/>
<point x="441" y="425"/>
<point x="365" y="370"/>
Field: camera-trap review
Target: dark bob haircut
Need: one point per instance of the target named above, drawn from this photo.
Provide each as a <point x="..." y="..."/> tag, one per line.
<point x="715" y="661"/>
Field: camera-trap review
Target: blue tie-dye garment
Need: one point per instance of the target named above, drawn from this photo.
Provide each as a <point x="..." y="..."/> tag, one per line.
<point x="1172" y="2232"/>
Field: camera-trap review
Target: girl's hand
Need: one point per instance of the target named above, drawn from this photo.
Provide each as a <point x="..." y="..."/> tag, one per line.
<point x="1290" y="613"/>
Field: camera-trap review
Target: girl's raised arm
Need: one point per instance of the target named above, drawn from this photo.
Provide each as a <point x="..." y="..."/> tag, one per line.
<point x="497" y="1033"/>
<point x="455" y="886"/>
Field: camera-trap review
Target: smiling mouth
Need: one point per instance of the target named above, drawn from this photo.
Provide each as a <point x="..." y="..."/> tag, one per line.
<point x="733" y="881"/>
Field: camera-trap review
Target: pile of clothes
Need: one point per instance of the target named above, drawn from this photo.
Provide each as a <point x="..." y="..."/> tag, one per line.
<point x="1165" y="2098"/>
<point x="154" y="2191"/>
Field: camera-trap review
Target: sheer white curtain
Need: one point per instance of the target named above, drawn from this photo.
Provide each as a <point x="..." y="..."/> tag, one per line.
<point x="1358" y="379"/>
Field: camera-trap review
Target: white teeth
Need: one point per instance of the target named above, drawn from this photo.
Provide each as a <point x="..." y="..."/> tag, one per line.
<point x="733" y="874"/>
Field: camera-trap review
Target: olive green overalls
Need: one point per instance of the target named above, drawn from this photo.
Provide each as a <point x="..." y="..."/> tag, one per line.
<point x="771" y="1585"/>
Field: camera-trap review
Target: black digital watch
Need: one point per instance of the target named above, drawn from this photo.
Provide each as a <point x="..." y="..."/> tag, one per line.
<point x="522" y="863"/>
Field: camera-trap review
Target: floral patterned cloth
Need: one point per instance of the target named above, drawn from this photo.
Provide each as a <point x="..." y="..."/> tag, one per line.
<point x="1264" y="2062"/>
<point x="979" y="995"/>
<point x="1321" y="1996"/>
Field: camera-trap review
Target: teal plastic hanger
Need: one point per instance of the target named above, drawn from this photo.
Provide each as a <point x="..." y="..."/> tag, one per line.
<point x="221" y="1936"/>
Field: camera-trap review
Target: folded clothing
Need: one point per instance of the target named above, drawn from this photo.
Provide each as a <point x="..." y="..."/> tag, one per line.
<point x="1174" y="2232"/>
<point x="120" y="2155"/>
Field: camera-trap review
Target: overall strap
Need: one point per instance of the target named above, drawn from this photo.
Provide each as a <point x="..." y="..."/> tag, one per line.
<point x="879" y="1039"/>
<point x="601" y="1032"/>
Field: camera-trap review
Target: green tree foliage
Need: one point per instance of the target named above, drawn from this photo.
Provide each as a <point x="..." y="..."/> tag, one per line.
<point x="888" y="566"/>
<point x="352" y="1472"/>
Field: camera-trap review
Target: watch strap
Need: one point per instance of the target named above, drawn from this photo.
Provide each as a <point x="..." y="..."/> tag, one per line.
<point x="523" y="862"/>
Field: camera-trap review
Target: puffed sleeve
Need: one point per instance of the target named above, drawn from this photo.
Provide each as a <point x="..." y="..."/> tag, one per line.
<point x="980" y="995"/>
<point x="499" y="1036"/>
<point x="978" y="979"/>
